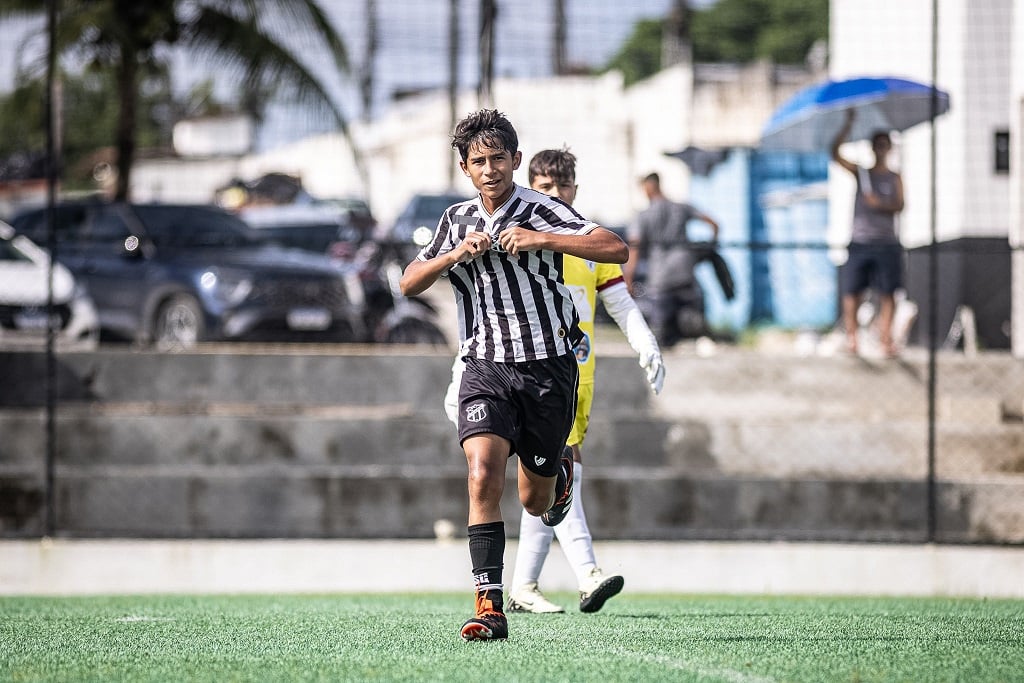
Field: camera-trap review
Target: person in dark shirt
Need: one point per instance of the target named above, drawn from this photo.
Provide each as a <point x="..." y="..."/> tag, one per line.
<point x="659" y="234"/>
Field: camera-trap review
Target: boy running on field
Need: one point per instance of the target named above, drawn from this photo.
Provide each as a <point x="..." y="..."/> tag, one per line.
<point x="503" y="254"/>
<point x="553" y="172"/>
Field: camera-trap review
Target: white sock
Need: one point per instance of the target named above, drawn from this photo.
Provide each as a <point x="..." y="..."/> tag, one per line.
<point x="574" y="534"/>
<point x="534" y="543"/>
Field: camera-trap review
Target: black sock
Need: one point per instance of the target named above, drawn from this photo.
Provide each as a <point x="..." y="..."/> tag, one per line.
<point x="487" y="551"/>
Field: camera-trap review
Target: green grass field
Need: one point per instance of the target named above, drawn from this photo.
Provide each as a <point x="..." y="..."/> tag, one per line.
<point x="415" y="638"/>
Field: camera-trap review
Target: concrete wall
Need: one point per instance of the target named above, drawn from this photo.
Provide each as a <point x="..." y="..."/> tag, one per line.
<point x="354" y="444"/>
<point x="115" y="567"/>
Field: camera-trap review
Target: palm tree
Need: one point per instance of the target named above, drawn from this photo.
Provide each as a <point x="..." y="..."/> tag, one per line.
<point x="131" y="37"/>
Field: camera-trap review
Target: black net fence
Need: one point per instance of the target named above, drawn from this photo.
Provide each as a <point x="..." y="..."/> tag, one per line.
<point x="225" y="353"/>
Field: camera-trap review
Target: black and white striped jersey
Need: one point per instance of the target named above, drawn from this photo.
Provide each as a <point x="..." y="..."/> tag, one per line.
<point x="511" y="308"/>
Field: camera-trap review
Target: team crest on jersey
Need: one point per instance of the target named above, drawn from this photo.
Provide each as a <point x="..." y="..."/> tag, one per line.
<point x="476" y="412"/>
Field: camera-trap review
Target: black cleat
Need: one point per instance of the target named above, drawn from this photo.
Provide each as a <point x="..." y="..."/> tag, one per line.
<point x="563" y="491"/>
<point x="488" y="624"/>
<point x="492" y="626"/>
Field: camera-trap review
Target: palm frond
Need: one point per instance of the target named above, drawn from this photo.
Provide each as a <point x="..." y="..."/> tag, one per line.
<point x="242" y="44"/>
<point x="245" y="48"/>
<point x="306" y="17"/>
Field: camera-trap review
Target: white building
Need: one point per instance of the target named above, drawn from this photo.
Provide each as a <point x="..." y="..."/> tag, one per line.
<point x="618" y="133"/>
<point x="977" y="202"/>
<point x="1016" y="189"/>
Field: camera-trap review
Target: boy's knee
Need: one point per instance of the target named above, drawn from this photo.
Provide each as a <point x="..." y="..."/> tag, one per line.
<point x="485" y="483"/>
<point x="535" y="502"/>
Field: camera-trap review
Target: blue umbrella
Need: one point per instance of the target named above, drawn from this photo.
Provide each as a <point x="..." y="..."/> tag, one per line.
<point x="810" y="120"/>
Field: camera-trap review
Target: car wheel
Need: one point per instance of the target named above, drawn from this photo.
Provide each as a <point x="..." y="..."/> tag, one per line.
<point x="178" y="323"/>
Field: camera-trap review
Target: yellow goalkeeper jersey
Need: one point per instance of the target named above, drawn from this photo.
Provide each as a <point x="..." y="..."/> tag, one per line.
<point x="585" y="279"/>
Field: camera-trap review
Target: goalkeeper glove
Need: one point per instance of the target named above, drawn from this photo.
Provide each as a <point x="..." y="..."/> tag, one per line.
<point x="651" y="362"/>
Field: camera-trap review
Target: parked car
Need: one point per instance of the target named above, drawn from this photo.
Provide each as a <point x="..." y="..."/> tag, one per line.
<point x="320" y="228"/>
<point x="358" y="213"/>
<point x="175" y="275"/>
<point x="25" y="298"/>
<point x="415" y="226"/>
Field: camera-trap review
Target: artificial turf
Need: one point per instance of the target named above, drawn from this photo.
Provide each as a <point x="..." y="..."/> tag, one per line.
<point x="415" y="638"/>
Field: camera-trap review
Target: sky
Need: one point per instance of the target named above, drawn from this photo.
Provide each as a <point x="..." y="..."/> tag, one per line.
<point x="412" y="48"/>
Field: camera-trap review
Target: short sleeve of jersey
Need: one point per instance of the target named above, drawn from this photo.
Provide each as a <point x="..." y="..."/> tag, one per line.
<point x="608" y="274"/>
<point x="553" y="215"/>
<point x="446" y="236"/>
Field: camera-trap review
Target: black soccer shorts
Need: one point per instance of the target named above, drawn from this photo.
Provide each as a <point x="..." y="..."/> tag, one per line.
<point x="532" y="404"/>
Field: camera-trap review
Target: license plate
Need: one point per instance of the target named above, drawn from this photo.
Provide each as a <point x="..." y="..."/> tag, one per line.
<point x="309" y="319"/>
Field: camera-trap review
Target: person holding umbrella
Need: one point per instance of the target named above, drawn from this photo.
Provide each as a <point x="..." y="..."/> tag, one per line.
<point x="875" y="256"/>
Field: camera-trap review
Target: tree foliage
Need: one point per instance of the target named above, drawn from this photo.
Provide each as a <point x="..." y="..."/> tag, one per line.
<point x="740" y="31"/>
<point x="745" y="30"/>
<point x="640" y="55"/>
<point x="89" y="115"/>
<point x="126" y="40"/>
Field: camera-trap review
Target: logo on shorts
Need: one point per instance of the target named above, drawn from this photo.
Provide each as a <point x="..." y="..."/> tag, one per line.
<point x="476" y="412"/>
<point x="539" y="460"/>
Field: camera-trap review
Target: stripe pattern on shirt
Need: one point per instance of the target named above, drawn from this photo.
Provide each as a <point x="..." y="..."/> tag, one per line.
<point x="511" y="308"/>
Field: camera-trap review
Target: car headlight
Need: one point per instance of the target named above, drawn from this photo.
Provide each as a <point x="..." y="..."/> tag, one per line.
<point x="422" y="235"/>
<point x="226" y="288"/>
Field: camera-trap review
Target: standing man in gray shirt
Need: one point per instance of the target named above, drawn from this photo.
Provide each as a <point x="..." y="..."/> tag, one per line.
<point x="875" y="257"/>
<point x="659" y="234"/>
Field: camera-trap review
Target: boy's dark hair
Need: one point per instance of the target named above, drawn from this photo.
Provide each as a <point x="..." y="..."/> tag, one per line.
<point x="557" y="164"/>
<point x="488" y="127"/>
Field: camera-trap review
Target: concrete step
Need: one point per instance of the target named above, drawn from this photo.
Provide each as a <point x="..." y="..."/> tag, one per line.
<point x="331" y="375"/>
<point x="406" y="502"/>
<point x="111" y="434"/>
<point x="985" y="390"/>
<point x="352" y="443"/>
<point x="327" y="375"/>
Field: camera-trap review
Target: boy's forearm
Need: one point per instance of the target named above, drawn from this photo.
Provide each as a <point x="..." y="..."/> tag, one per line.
<point x="600" y="245"/>
<point x="420" y="275"/>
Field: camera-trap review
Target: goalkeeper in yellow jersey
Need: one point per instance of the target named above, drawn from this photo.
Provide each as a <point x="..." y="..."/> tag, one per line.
<point x="553" y="172"/>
